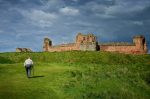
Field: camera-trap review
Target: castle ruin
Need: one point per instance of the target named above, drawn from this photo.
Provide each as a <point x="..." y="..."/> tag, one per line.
<point x="89" y="43"/>
<point x="23" y="50"/>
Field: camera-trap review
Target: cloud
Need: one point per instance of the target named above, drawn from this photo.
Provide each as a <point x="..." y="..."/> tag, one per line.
<point x="39" y="17"/>
<point x="127" y="7"/>
<point x="52" y="4"/>
<point x="1" y="31"/>
<point x="115" y="8"/>
<point x="69" y="11"/>
<point x="140" y="23"/>
<point x="75" y="0"/>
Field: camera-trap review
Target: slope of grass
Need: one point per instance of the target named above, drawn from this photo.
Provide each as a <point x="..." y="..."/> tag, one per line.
<point x="75" y="75"/>
<point x="75" y="57"/>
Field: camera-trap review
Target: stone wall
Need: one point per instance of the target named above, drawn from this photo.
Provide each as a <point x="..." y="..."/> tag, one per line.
<point x="23" y="50"/>
<point x="88" y="46"/>
<point x="137" y="47"/>
<point x="121" y="49"/>
<point x="64" y="47"/>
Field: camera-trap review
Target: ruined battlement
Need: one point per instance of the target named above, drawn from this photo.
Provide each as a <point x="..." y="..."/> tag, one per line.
<point x="88" y="42"/>
<point x="117" y="44"/>
<point x="23" y="50"/>
<point x="82" y="38"/>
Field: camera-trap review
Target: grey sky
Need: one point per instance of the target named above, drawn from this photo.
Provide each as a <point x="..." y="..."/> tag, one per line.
<point x="25" y="23"/>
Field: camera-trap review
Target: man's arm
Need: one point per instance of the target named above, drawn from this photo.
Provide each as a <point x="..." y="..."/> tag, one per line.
<point x="24" y="63"/>
<point x="31" y="62"/>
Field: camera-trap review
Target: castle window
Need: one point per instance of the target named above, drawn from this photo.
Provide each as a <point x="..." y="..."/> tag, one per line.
<point x="83" y="38"/>
<point x="143" y="41"/>
<point x="87" y="38"/>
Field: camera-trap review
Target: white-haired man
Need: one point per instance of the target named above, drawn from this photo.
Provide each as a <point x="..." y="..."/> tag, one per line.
<point x="28" y="64"/>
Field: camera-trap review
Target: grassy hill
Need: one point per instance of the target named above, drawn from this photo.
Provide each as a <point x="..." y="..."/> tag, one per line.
<point x="75" y="75"/>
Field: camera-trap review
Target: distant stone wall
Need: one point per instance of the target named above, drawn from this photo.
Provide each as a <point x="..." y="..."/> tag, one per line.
<point x="23" y="50"/>
<point x="137" y="47"/>
<point x="59" y="48"/>
<point x="121" y="49"/>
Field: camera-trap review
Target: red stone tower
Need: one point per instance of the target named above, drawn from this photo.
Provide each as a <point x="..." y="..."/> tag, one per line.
<point x="47" y="44"/>
<point x="80" y="38"/>
<point x="140" y="43"/>
<point x="86" y="42"/>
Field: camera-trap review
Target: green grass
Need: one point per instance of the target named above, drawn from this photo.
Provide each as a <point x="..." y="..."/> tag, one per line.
<point x="75" y="75"/>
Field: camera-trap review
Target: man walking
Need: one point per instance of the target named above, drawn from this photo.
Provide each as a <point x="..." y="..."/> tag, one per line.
<point x="28" y="64"/>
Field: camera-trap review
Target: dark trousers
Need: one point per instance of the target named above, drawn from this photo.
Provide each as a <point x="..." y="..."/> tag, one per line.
<point x="28" y="70"/>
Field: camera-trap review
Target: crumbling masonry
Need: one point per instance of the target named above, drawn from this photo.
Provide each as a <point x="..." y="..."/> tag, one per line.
<point x="89" y="43"/>
<point x="23" y="50"/>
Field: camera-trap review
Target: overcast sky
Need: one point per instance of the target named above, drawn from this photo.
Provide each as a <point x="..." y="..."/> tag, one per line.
<point x="25" y="23"/>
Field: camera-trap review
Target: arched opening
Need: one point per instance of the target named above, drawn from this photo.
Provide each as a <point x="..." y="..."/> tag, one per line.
<point x="143" y="41"/>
